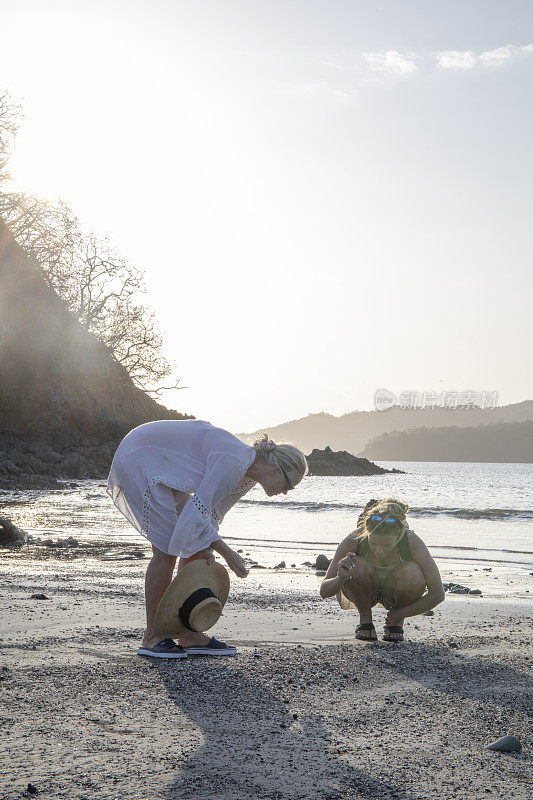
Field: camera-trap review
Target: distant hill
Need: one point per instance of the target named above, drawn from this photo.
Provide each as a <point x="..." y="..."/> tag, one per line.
<point x="65" y="402"/>
<point x="503" y="442"/>
<point x="354" y="431"/>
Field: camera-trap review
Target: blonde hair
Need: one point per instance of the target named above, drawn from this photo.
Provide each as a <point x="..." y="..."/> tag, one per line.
<point x="286" y="456"/>
<point x="390" y="506"/>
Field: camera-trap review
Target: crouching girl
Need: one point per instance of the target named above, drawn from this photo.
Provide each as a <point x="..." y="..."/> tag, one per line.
<point x="385" y="562"/>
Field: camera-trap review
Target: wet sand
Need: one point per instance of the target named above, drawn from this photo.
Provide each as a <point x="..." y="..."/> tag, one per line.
<point x="303" y="711"/>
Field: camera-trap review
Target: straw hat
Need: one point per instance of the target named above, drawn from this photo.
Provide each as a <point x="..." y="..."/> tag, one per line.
<point x="194" y="600"/>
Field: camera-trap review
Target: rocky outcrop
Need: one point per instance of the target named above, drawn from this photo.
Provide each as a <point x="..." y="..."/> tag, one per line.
<point x="65" y="402"/>
<point x="10" y="535"/>
<point x="327" y="462"/>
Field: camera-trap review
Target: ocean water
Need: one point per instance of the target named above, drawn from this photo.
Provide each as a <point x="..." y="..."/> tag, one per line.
<point x="471" y="516"/>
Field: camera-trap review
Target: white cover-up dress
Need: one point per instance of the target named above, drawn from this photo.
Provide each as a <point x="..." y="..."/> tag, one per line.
<point x="175" y="480"/>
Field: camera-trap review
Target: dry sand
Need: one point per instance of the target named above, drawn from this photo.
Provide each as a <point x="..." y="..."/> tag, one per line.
<point x="303" y="711"/>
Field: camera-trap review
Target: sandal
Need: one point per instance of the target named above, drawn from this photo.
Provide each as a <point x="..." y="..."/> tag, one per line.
<point x="366" y="626"/>
<point x="214" y="647"/>
<point x="397" y="632"/>
<point x="166" y="648"/>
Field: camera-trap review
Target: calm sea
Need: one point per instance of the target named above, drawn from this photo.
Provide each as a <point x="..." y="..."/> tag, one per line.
<point x="468" y="514"/>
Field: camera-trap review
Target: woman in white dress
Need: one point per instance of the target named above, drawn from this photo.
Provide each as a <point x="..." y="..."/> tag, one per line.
<point x="174" y="481"/>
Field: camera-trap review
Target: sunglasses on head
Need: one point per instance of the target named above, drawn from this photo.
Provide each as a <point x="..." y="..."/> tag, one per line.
<point x="388" y="522"/>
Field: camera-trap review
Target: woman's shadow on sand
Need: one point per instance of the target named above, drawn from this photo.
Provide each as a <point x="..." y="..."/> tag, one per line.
<point x="253" y="748"/>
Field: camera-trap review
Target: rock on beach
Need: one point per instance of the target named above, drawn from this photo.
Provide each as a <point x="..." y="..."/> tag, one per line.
<point x="10" y="535"/>
<point x="322" y="562"/>
<point x="507" y="744"/>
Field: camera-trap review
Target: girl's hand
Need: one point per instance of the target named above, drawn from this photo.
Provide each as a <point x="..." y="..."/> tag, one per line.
<point x="346" y="566"/>
<point x="235" y="562"/>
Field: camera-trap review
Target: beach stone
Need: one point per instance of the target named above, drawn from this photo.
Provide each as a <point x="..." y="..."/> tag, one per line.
<point x="507" y="744"/>
<point x="5" y="672"/>
<point x="39" y="596"/>
<point x="320" y="573"/>
<point x="10" y="535"/>
<point x="281" y="565"/>
<point x="32" y="789"/>
<point x="429" y="613"/>
<point x="322" y="562"/>
<point x="475" y="591"/>
<point x="455" y="588"/>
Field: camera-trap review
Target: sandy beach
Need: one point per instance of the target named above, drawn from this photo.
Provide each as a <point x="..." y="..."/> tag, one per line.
<point x="303" y="711"/>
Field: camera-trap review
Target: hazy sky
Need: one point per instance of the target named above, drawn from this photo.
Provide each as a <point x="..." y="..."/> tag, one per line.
<point x="327" y="197"/>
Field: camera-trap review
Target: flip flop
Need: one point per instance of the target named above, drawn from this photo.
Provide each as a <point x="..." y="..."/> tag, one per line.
<point x="393" y="629"/>
<point x="166" y="648"/>
<point x="213" y="648"/>
<point x="366" y="626"/>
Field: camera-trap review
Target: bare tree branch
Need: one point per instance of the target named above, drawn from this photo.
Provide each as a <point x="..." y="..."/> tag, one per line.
<point x="100" y="288"/>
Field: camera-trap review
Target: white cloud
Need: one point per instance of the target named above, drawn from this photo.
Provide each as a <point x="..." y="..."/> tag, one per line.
<point x="493" y="58"/>
<point x="467" y="59"/>
<point x="456" y="59"/>
<point x="392" y="61"/>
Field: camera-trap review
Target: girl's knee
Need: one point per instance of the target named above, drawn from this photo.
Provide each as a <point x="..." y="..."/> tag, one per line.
<point x="405" y="585"/>
<point x="411" y="574"/>
<point x="362" y="578"/>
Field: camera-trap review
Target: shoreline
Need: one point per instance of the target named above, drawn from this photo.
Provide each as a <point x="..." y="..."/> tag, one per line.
<point x="505" y="580"/>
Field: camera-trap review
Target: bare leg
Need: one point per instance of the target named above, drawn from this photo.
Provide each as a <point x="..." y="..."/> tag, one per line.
<point x="158" y="577"/>
<point x="362" y="590"/>
<point x="404" y="585"/>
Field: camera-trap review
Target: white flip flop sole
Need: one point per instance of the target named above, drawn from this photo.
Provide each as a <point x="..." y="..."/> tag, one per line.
<point x="142" y="652"/>
<point x="210" y="651"/>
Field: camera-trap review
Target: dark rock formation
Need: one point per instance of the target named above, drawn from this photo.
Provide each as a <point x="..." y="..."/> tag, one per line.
<point x="10" y="535"/>
<point x="65" y="402"/>
<point x="326" y="462"/>
<point x="456" y="588"/>
<point x="322" y="562"/>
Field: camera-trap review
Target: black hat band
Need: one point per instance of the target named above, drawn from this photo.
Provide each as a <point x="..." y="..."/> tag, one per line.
<point x="190" y="603"/>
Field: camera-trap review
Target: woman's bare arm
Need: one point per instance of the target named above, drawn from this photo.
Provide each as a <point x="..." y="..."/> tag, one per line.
<point x="332" y="582"/>
<point x="232" y="559"/>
